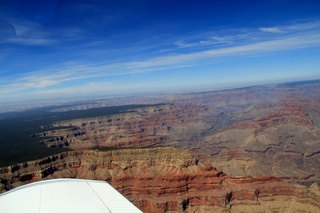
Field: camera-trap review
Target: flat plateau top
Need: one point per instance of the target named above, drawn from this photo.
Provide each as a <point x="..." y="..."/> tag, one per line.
<point x="65" y="196"/>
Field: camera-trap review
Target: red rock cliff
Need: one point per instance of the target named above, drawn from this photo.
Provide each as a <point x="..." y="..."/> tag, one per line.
<point x="166" y="179"/>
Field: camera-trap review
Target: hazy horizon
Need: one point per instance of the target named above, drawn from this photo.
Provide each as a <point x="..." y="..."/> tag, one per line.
<point x="23" y="105"/>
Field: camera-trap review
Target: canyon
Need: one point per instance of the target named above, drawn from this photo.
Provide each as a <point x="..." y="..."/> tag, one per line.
<point x="253" y="149"/>
<point x="280" y="138"/>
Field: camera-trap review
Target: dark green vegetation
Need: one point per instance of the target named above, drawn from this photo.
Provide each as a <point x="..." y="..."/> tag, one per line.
<point x="16" y="143"/>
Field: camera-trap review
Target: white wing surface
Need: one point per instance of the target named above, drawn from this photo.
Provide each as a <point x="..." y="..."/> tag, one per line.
<point x="65" y="196"/>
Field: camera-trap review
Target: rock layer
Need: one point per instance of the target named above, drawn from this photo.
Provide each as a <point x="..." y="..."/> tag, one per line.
<point x="168" y="180"/>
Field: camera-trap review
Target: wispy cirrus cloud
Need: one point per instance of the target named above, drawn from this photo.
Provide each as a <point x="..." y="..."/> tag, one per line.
<point x="26" y="33"/>
<point x="292" y="28"/>
<point x="60" y="75"/>
<point x="81" y="90"/>
<point x="292" y="37"/>
<point x="263" y="47"/>
<point x="29" y="41"/>
<point x="270" y="29"/>
<point x="214" y="40"/>
<point x="243" y="36"/>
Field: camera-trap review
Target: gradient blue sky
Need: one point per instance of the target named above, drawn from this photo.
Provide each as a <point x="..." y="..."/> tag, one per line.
<point x="75" y="49"/>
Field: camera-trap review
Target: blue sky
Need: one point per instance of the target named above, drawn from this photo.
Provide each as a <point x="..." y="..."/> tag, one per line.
<point x="81" y="49"/>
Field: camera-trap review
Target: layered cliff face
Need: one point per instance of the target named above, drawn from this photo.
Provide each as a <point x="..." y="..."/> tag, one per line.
<point x="280" y="139"/>
<point x="168" y="180"/>
<point x="147" y="126"/>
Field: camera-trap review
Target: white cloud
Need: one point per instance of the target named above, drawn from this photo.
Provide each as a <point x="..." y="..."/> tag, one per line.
<point x="271" y="29"/>
<point x="213" y="40"/>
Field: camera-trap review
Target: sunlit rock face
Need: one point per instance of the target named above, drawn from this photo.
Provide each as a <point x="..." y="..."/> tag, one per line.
<point x="166" y="179"/>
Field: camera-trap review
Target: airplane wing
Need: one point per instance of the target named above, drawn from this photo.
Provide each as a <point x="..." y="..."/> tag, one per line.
<point x="65" y="196"/>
